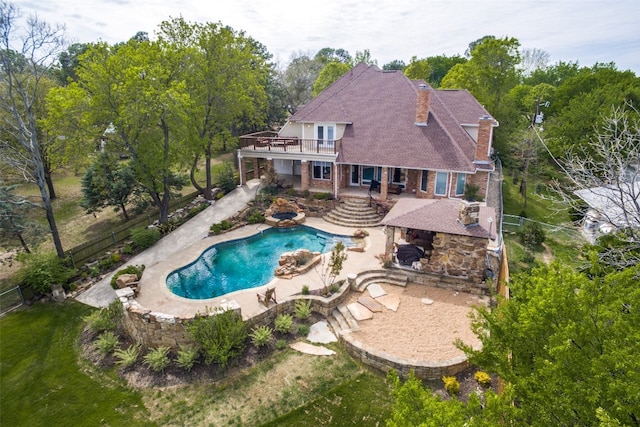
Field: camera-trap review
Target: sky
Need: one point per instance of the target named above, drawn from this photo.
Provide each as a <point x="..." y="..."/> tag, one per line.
<point x="586" y="31"/>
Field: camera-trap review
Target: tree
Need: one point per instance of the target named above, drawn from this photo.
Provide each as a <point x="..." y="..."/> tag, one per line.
<point x="532" y="60"/>
<point x="331" y="72"/>
<point x="567" y="344"/>
<point x="330" y="269"/>
<point x="68" y="62"/>
<point x="137" y="89"/>
<point x="225" y="82"/>
<point x="396" y="64"/>
<point x="490" y="73"/>
<point x="297" y="80"/>
<point x="327" y="54"/>
<point x="418" y="69"/>
<point x="607" y="173"/>
<point x="25" y="60"/>
<point x="364" y="56"/>
<point x="105" y="183"/>
<point x="15" y="221"/>
<point x="440" y="66"/>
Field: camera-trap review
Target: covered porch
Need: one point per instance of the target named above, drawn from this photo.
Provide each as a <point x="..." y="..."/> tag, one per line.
<point x="450" y="237"/>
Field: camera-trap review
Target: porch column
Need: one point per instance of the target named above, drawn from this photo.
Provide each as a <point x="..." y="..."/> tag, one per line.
<point x="388" y="246"/>
<point x="304" y="175"/>
<point x="384" y="185"/>
<point x="256" y="168"/>
<point x="336" y="182"/>
<point x="241" y="170"/>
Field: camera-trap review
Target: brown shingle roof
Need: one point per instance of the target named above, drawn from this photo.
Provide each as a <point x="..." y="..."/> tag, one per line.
<point x="437" y="215"/>
<point x="380" y="107"/>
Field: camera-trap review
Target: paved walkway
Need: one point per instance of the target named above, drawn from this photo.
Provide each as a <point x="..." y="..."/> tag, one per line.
<point x="197" y="228"/>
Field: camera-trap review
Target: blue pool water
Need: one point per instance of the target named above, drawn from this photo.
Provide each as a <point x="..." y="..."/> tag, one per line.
<point x="246" y="263"/>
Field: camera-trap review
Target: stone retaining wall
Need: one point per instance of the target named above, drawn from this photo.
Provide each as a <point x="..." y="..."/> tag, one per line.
<point x="385" y="362"/>
<point x="458" y="284"/>
<point x="153" y="329"/>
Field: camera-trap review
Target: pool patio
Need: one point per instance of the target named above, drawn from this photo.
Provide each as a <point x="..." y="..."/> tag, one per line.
<point x="155" y="295"/>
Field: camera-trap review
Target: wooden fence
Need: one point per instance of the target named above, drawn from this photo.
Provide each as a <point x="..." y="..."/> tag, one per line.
<point x="88" y="251"/>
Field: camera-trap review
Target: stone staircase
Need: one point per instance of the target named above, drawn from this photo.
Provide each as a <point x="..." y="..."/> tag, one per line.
<point x="342" y="321"/>
<point x="354" y="213"/>
<point x="365" y="278"/>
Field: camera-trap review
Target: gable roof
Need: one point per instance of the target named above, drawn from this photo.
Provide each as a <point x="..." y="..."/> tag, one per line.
<point x="379" y="108"/>
<point x="439" y="215"/>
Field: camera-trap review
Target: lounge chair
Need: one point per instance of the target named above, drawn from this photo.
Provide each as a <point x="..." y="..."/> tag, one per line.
<point x="269" y="295"/>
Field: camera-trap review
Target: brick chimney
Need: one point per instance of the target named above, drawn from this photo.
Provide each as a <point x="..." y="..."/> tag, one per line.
<point x="422" y="105"/>
<point x="469" y="213"/>
<point x="485" y="135"/>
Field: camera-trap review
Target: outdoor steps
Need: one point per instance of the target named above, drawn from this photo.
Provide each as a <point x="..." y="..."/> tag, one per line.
<point x="341" y="320"/>
<point x="364" y="279"/>
<point x="354" y="213"/>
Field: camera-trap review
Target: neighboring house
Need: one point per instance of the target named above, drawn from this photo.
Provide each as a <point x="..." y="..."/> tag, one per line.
<point x="610" y="208"/>
<point x="379" y="126"/>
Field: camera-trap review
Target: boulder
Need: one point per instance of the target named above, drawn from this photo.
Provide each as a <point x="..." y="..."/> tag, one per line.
<point x="125" y="280"/>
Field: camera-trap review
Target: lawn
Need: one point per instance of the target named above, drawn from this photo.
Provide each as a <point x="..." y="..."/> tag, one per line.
<point x="43" y="381"/>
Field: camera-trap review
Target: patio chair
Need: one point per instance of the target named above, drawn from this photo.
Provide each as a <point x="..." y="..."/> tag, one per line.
<point x="269" y="295"/>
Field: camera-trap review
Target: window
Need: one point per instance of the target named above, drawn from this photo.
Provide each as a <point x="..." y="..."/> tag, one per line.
<point x="461" y="181"/>
<point x="322" y="170"/>
<point x="441" y="184"/>
<point x="423" y="181"/>
<point x="367" y="174"/>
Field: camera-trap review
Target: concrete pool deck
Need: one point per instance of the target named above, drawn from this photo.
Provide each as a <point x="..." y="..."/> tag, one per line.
<point x="154" y="294"/>
<point x="186" y="243"/>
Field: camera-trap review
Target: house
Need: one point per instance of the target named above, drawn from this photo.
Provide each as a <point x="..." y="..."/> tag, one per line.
<point x="382" y="128"/>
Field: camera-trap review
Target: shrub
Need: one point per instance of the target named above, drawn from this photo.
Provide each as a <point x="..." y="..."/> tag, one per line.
<point x="261" y="336"/>
<point x="322" y="196"/>
<point x="291" y="192"/>
<point x="43" y="270"/>
<point x="255" y="218"/>
<point x="105" y="319"/>
<point x="157" y="359"/>
<point x="452" y="385"/>
<point x="482" y="378"/>
<point x="283" y="323"/>
<point x="334" y="288"/>
<point x="471" y="192"/>
<point x="187" y="357"/>
<point x="532" y="235"/>
<point x="221" y="226"/>
<point x="305" y="289"/>
<point x="106" y="342"/>
<point x="144" y="238"/>
<point x="127" y="250"/>
<point x="281" y="344"/>
<point x="127" y="357"/>
<point x="226" y="177"/>
<point x="302" y="329"/>
<point x="221" y="336"/>
<point x="130" y="269"/>
<point x="302" y="309"/>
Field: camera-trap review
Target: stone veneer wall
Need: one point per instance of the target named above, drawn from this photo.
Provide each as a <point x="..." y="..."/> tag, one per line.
<point x="458" y="256"/>
<point x="152" y="329"/>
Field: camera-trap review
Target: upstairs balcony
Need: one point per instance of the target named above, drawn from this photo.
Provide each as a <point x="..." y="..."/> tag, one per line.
<point x="270" y="141"/>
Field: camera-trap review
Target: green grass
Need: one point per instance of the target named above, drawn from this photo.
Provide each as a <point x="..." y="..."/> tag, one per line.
<point x="538" y="208"/>
<point x="362" y="401"/>
<point x="43" y="382"/>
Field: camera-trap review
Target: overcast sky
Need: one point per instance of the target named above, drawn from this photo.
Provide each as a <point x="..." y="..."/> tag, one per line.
<point x="587" y="31"/>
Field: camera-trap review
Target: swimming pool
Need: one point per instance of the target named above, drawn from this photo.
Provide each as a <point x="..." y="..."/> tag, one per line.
<point x="246" y="263"/>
